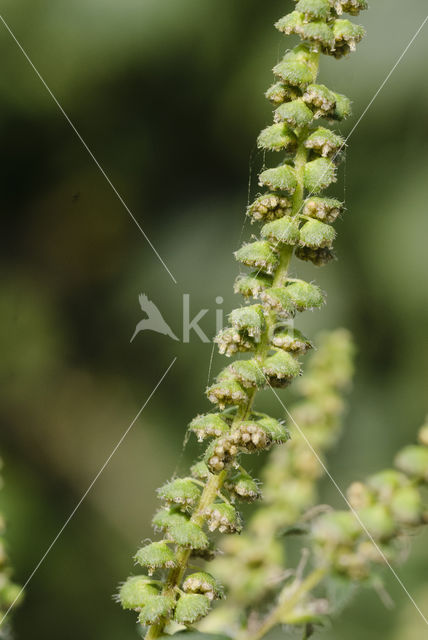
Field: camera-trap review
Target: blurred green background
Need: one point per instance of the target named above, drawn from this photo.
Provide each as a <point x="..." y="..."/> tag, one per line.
<point x="169" y="96"/>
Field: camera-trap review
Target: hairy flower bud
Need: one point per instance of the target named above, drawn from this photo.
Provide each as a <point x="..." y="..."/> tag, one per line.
<point x="282" y="178"/>
<point x="297" y="115"/>
<point x="346" y="36"/>
<point x="319" y="174"/>
<point x="248" y="373"/>
<point x="134" y="592"/>
<point x="208" y="426"/>
<point x="258" y="254"/>
<point x="343" y="108"/>
<point x="181" y="492"/>
<point x="321" y="100"/>
<point x="156" y="555"/>
<point x="191" y="608"/>
<point x="282" y="231"/>
<point x="352" y="7"/>
<point x="223" y="517"/>
<point x="324" y="142"/>
<point x="226" y="391"/>
<point x="269" y="206"/>
<point x="317" y="235"/>
<point x="243" y="486"/>
<point x="318" y="257"/>
<point x="203" y="583"/>
<point x="281" y="368"/>
<point x="155" y="608"/>
<point x="291" y="340"/>
<point x="180" y="529"/>
<point x="314" y="9"/>
<point x="277" y="137"/>
<point x="252" y="285"/>
<point x="305" y="295"/>
<point x="249" y="319"/>
<point x="323" y="209"/>
<point x="278" y="299"/>
<point x="280" y="92"/>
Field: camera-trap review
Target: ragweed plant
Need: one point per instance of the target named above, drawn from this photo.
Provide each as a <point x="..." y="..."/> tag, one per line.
<point x="9" y="592"/>
<point x="253" y="566"/>
<point x="297" y="220"/>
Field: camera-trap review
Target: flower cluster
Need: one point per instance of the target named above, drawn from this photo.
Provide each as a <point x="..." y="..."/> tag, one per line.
<point x="253" y="565"/>
<point x="10" y="593"/>
<point x="296" y="220"/>
<point x="388" y="506"/>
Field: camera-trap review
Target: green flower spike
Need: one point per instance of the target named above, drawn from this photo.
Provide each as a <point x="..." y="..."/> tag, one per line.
<point x="296" y="222"/>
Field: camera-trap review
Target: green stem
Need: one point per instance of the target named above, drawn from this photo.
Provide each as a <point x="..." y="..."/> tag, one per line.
<point x="286" y="606"/>
<point x="215" y="482"/>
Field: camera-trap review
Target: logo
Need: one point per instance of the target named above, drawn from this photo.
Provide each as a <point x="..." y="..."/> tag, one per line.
<point x="154" y="320"/>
